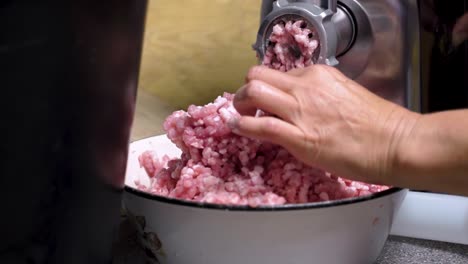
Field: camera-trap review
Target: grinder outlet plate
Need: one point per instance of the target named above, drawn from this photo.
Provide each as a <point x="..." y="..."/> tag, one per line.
<point x="315" y="16"/>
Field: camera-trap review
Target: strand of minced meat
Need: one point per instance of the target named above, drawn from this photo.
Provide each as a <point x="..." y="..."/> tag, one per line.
<point x="218" y="166"/>
<point x="292" y="44"/>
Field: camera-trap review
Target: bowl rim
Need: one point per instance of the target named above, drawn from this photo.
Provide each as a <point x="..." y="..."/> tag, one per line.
<point x="285" y="207"/>
<point x="263" y="208"/>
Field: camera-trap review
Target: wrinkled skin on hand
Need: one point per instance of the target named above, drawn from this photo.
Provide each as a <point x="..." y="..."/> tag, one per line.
<point x="325" y="120"/>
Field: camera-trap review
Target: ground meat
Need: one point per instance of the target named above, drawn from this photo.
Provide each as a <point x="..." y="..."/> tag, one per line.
<point x="291" y="45"/>
<point x="218" y="166"/>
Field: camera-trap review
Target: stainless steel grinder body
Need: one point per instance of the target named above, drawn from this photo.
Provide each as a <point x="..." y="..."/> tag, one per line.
<point x="398" y="49"/>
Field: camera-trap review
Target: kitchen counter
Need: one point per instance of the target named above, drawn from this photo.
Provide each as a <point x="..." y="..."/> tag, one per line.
<point x="149" y="116"/>
<point x="150" y="113"/>
<point x="417" y="251"/>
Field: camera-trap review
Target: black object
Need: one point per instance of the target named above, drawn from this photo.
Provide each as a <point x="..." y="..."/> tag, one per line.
<point x="445" y="68"/>
<point x="68" y="87"/>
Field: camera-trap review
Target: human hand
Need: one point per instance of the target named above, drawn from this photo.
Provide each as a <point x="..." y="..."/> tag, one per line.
<point x="325" y="120"/>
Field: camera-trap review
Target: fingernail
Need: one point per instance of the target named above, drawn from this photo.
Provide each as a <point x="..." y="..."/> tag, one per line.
<point x="240" y="93"/>
<point x="233" y="124"/>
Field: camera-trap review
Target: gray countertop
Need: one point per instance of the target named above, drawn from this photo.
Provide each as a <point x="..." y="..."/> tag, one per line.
<point x="416" y="251"/>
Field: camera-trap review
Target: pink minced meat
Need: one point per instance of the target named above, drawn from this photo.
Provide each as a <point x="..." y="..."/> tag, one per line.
<point x="292" y="45"/>
<point x="218" y="166"/>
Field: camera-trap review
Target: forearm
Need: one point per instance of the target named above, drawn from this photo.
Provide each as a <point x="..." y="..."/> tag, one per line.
<point x="433" y="155"/>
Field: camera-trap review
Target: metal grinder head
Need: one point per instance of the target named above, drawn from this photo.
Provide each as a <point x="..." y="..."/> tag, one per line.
<point x="332" y="24"/>
<point x="378" y="44"/>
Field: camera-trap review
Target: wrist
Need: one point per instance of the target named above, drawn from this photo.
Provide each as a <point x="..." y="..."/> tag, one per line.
<point x="400" y="131"/>
<point x="432" y="152"/>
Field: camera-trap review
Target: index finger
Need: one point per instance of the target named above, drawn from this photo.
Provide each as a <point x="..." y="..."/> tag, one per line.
<point x="275" y="78"/>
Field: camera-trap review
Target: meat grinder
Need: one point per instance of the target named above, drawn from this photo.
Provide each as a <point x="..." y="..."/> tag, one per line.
<point x="398" y="49"/>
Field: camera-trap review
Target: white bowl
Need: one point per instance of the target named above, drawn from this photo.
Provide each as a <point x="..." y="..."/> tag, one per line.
<point x="349" y="231"/>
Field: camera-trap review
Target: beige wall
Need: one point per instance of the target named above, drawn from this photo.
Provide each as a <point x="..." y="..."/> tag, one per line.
<point x="196" y="49"/>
